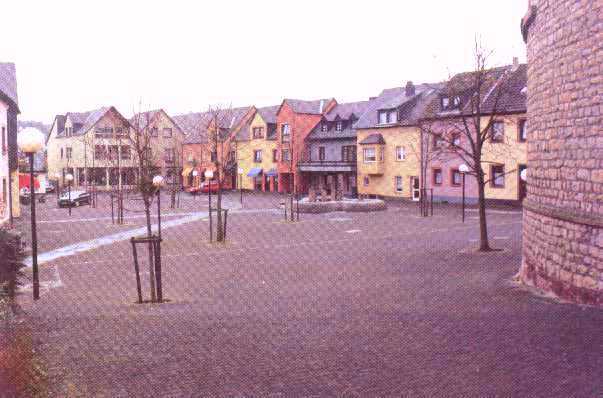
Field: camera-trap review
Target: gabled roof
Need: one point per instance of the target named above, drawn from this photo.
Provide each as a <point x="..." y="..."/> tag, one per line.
<point x="501" y="91"/>
<point x="146" y="118"/>
<point x="8" y="83"/>
<point x="396" y="98"/>
<point x="373" y="139"/>
<point x="195" y="125"/>
<point x="268" y="113"/>
<point x="347" y="110"/>
<point x="314" y="107"/>
<point x="84" y="121"/>
<point x="350" y="111"/>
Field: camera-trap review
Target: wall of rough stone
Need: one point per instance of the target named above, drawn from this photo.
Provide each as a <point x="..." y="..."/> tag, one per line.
<point x="563" y="212"/>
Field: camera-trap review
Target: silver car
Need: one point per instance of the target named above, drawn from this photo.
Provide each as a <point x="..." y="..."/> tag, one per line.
<point x="74" y="199"/>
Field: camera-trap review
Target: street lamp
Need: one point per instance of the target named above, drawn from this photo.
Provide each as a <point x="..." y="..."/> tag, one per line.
<point x="240" y="171"/>
<point x="209" y="174"/>
<point x="195" y="174"/>
<point x="463" y="169"/>
<point x="158" y="183"/>
<point x="524" y="174"/>
<point x="69" y="178"/>
<point x="31" y="140"/>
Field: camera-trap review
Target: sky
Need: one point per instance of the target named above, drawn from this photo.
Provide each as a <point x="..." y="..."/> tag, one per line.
<point x="183" y="56"/>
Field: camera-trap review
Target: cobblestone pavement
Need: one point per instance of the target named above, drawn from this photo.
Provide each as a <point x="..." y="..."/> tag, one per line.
<point x="340" y="304"/>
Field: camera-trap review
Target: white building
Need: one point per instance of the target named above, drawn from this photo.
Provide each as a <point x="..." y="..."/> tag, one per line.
<point x="9" y="108"/>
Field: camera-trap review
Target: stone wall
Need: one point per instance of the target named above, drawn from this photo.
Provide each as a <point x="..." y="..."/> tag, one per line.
<point x="563" y="213"/>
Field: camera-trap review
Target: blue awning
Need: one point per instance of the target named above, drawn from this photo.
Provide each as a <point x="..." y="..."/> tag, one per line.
<point x="256" y="171"/>
<point x="271" y="173"/>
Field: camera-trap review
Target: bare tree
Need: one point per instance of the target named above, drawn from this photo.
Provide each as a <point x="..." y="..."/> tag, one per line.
<point x="288" y="156"/>
<point x="469" y="132"/>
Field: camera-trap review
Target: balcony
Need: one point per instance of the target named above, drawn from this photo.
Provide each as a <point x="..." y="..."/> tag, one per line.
<point x="327" y="166"/>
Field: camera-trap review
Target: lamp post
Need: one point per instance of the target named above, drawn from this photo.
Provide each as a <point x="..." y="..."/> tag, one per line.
<point x="195" y="174"/>
<point x="463" y="169"/>
<point x="69" y="179"/>
<point x="240" y="171"/>
<point x="208" y="176"/>
<point x="158" y="183"/>
<point x="31" y="140"/>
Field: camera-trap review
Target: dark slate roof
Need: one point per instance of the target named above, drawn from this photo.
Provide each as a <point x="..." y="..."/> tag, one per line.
<point x="308" y="107"/>
<point x="391" y="98"/>
<point x="347" y="110"/>
<point x="271" y="133"/>
<point x="194" y="126"/>
<point x="372" y="139"/>
<point x="243" y="133"/>
<point x="268" y="113"/>
<point x="83" y="121"/>
<point x="501" y="92"/>
<point x="8" y="83"/>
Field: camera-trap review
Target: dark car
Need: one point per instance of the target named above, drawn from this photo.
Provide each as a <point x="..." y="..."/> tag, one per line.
<point x="50" y="187"/>
<point x="74" y="199"/>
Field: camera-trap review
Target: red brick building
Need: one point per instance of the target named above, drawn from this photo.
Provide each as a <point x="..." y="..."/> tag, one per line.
<point x="295" y="120"/>
<point x="563" y="211"/>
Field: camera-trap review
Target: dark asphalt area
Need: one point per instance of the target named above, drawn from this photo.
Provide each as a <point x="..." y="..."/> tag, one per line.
<point x="340" y="304"/>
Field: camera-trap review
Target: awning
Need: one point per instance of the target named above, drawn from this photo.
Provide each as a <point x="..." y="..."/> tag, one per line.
<point x="256" y="171"/>
<point x="186" y="171"/>
<point x="271" y="173"/>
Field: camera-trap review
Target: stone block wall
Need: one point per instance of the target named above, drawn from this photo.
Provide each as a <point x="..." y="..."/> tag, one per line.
<point x="563" y="212"/>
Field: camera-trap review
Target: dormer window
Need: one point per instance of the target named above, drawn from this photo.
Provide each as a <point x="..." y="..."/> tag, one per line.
<point x="339" y="126"/>
<point x="387" y="117"/>
<point x="450" y="102"/>
<point x="324" y="127"/>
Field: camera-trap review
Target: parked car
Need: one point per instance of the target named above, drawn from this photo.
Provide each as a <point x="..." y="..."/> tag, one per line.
<point x="74" y="199"/>
<point x="50" y="186"/>
<point x="204" y="188"/>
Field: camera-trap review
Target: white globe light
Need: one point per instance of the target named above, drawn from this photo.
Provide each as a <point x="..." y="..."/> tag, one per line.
<point x="463" y="168"/>
<point x="30" y="140"/>
<point x="240" y="170"/>
<point x="195" y="173"/>
<point x="524" y="174"/>
<point x="209" y="174"/>
<point x="57" y="176"/>
<point x="69" y="177"/>
<point x="158" y="181"/>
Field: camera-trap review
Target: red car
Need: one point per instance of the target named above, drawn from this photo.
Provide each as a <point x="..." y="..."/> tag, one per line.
<point x="204" y="188"/>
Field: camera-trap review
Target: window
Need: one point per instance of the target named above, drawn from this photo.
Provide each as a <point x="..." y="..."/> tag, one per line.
<point x="398" y="183"/>
<point x="321" y="153"/>
<point x="437" y="177"/>
<point x="400" y="153"/>
<point x="348" y="153"/>
<point x="339" y="126"/>
<point x="3" y="139"/>
<point x="154" y="132"/>
<point x="4" y="191"/>
<point x="232" y="156"/>
<point x="113" y="152"/>
<point x="275" y="155"/>
<point x="438" y="141"/>
<point x="169" y="155"/>
<point x="285" y="155"/>
<point x="99" y="132"/>
<point x="167" y="132"/>
<point x="126" y="153"/>
<point x="382" y="117"/>
<point x="456" y="139"/>
<point x="257" y="156"/>
<point x="450" y="102"/>
<point x="285" y="133"/>
<point x="324" y="127"/>
<point x="68" y="152"/>
<point x="369" y="155"/>
<point x="214" y="156"/>
<point x="121" y="132"/>
<point x="497" y="132"/>
<point x="497" y="180"/>
<point x="523" y="130"/>
<point x="365" y="181"/>
<point x="258" y="132"/>
<point x="455" y="177"/>
<point x="61" y="153"/>
<point x="392" y="117"/>
<point x="99" y="152"/>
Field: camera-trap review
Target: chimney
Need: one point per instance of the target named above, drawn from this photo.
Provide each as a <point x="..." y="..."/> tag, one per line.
<point x="322" y="104"/>
<point x="410" y="89"/>
<point x="515" y="63"/>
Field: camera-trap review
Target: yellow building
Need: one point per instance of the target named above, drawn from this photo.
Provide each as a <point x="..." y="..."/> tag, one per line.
<point x="388" y="162"/>
<point x="257" y="152"/>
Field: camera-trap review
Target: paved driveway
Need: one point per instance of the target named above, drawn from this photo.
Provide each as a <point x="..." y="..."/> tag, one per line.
<point x="339" y="304"/>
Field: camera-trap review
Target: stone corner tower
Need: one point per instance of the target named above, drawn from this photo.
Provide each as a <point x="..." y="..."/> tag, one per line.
<point x="563" y="211"/>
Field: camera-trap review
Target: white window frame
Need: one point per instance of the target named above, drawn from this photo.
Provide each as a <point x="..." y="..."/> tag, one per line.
<point x="365" y="152"/>
<point x="365" y="181"/>
<point x="256" y="158"/>
<point x="400" y="153"/>
<point x="339" y="126"/>
<point x="399" y="184"/>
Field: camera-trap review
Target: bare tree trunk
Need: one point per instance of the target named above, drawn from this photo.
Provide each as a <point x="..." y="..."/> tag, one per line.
<point x="219" y="228"/>
<point x="147" y="211"/>
<point x="484" y="245"/>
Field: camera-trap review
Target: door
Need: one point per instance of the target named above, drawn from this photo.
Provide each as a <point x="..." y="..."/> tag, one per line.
<point x="416" y="189"/>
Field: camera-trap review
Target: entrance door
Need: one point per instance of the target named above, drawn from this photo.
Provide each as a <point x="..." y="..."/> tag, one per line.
<point x="416" y="189"/>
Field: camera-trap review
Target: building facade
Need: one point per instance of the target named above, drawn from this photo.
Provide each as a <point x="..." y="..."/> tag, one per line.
<point x="257" y="152"/>
<point x="295" y="120"/>
<point x="9" y="173"/>
<point x="563" y="211"/>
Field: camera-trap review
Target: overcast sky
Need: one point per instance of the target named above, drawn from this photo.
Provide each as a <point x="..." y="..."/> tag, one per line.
<point x="185" y="55"/>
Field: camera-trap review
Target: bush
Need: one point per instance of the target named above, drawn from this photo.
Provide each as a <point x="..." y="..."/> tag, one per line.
<point x="11" y="257"/>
